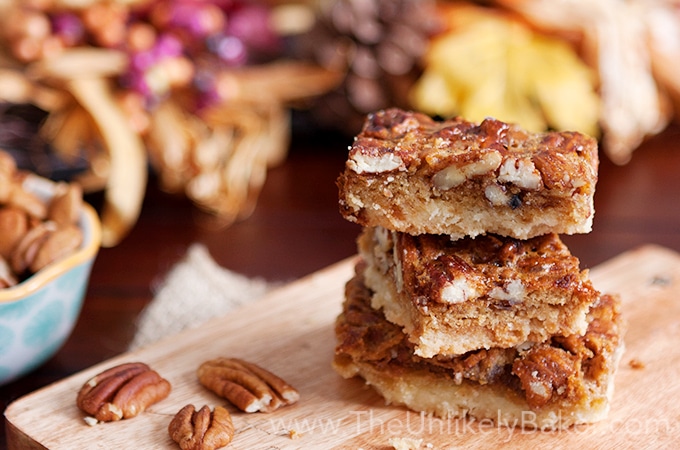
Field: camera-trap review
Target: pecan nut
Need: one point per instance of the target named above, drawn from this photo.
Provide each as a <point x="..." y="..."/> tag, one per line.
<point x="27" y="248"/>
<point x="60" y="243"/>
<point x="34" y="231"/>
<point x="7" y="278"/>
<point x="29" y="202"/>
<point x="66" y="204"/>
<point x="247" y="386"/>
<point x="13" y="226"/>
<point x="202" y="429"/>
<point x="122" y="392"/>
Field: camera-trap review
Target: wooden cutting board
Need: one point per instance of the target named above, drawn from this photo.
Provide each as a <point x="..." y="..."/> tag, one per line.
<point x="290" y="332"/>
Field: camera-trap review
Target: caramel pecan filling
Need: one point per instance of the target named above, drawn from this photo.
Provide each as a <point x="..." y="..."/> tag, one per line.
<point x="541" y="373"/>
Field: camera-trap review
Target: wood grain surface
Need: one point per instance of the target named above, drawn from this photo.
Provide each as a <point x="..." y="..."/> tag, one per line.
<point x="290" y="332"/>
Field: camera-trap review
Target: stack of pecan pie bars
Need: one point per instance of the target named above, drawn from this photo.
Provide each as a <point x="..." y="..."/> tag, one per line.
<point x="465" y="301"/>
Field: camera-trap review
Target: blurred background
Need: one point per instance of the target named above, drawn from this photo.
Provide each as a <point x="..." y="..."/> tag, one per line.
<point x="205" y="95"/>
<point x="225" y="123"/>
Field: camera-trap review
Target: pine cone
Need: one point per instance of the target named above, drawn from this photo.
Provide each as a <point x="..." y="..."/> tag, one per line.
<point x="377" y="45"/>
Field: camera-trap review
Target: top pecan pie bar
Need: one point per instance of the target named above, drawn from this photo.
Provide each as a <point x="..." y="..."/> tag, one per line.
<point x="410" y="173"/>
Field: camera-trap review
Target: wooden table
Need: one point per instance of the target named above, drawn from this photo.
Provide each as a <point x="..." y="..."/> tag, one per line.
<point x="296" y="230"/>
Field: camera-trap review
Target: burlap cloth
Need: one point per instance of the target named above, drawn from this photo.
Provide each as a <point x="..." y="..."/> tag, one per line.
<point x="195" y="290"/>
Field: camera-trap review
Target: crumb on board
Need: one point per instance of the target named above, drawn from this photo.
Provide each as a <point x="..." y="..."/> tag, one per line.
<point x="294" y="434"/>
<point x="402" y="443"/>
<point x="636" y="364"/>
<point x="91" y="421"/>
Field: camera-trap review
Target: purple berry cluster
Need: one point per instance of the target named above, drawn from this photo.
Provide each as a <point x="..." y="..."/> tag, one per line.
<point x="178" y="44"/>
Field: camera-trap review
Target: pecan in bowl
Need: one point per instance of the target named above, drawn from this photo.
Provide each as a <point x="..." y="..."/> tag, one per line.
<point x="49" y="239"/>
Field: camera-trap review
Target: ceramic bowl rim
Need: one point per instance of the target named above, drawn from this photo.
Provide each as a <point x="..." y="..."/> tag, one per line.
<point x="35" y="282"/>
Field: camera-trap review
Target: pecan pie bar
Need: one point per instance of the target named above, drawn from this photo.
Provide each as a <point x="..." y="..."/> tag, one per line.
<point x="455" y="296"/>
<point x="410" y="173"/>
<point x="553" y="384"/>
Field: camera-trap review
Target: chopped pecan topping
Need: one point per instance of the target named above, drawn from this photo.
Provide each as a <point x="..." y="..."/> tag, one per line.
<point x="453" y="151"/>
<point x="122" y="392"/>
<point x="545" y="371"/>
<point x="249" y="387"/>
<point x="500" y="270"/>
<point x="202" y="429"/>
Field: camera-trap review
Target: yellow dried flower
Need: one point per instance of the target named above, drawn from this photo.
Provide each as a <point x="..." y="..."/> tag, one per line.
<point x="487" y="64"/>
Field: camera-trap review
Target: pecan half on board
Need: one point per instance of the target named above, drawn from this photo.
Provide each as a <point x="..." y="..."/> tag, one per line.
<point x="122" y="392"/>
<point x="246" y="385"/>
<point x="202" y="429"/>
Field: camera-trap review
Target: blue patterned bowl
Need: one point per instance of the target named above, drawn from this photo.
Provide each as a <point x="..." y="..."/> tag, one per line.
<point x="38" y="315"/>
